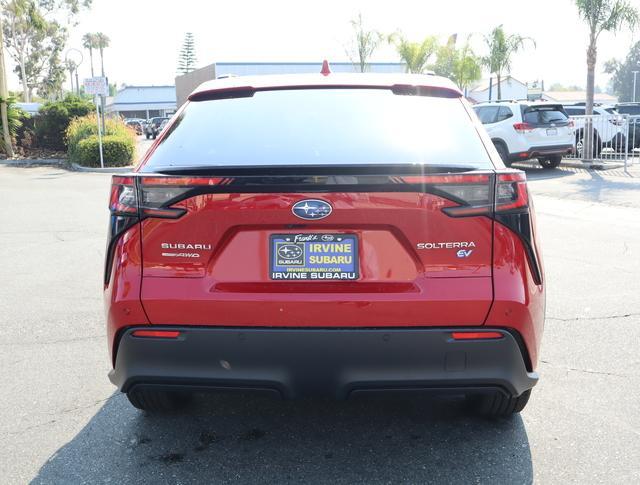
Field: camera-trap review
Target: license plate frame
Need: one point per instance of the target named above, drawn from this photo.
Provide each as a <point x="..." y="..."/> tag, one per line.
<point x="305" y="268"/>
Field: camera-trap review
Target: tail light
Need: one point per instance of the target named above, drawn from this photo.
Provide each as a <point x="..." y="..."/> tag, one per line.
<point x="571" y="124"/>
<point x="123" y="208"/>
<point x="133" y="199"/>
<point x="158" y="194"/>
<point x="504" y="198"/>
<point x="523" y="127"/>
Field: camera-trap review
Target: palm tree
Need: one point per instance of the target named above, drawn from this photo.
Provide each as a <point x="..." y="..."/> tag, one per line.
<point x="501" y="48"/>
<point x="602" y="16"/>
<point x="102" y="42"/>
<point x="366" y="42"/>
<point x="414" y="54"/>
<point x="89" y="42"/>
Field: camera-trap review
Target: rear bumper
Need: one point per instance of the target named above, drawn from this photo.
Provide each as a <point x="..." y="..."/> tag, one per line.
<point x="541" y="151"/>
<point x="321" y="362"/>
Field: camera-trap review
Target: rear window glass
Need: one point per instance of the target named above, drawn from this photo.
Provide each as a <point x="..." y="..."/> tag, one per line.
<point x="544" y="115"/>
<point x="629" y="109"/>
<point x="487" y="114"/>
<point x="321" y="126"/>
<point x="575" y="111"/>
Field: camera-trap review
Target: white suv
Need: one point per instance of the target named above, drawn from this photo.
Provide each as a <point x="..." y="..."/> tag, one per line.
<point x="608" y="128"/>
<point x="528" y="129"/>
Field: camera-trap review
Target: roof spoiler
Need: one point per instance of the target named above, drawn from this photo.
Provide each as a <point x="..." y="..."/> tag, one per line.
<point x="400" y="89"/>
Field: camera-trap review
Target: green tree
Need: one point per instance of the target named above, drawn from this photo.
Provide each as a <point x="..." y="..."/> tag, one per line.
<point x="14" y="120"/>
<point x="562" y="87"/>
<point x="363" y="45"/>
<point x="461" y="65"/>
<point x="502" y="47"/>
<point x="622" y="74"/>
<point x="34" y="38"/>
<point x="602" y="16"/>
<point x="187" y="58"/>
<point x="445" y="58"/>
<point x="415" y="55"/>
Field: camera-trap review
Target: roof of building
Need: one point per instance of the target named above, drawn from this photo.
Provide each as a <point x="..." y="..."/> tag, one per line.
<point x="483" y="84"/>
<point x="31" y="108"/>
<point x="145" y="95"/>
<point x="332" y="80"/>
<point x="577" y="96"/>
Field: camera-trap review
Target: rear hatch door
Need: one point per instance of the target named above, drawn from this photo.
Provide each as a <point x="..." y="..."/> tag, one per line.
<point x="323" y="207"/>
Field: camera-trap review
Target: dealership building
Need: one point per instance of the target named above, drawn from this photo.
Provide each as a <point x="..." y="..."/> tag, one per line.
<point x="143" y="102"/>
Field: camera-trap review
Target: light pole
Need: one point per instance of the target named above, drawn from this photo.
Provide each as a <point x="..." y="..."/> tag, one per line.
<point x="74" y="56"/>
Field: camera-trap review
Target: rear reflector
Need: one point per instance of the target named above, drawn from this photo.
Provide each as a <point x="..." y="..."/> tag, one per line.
<point x="156" y="333"/>
<point x="476" y="335"/>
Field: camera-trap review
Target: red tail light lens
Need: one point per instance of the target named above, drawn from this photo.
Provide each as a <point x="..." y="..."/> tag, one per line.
<point x="471" y="192"/>
<point x="157" y="194"/>
<point x="511" y="192"/>
<point x="123" y="195"/>
<point x="523" y="127"/>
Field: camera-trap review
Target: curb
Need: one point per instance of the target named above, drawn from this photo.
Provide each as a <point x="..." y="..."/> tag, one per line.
<point x="33" y="162"/>
<point x="79" y="168"/>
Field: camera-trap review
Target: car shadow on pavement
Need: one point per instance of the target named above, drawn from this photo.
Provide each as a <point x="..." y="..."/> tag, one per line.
<point x="250" y="439"/>
<point x="536" y="172"/>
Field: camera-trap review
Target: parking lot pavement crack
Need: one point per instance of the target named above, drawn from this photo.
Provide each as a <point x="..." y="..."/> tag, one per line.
<point x="586" y="371"/>
<point x="605" y="317"/>
<point x="64" y="411"/>
<point x="51" y="342"/>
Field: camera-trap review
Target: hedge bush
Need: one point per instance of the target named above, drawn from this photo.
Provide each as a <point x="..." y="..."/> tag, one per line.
<point x="118" y="142"/>
<point x="117" y="151"/>
<point x="54" y="117"/>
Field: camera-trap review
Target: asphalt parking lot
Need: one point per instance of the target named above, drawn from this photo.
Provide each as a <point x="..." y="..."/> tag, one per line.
<point x="62" y="422"/>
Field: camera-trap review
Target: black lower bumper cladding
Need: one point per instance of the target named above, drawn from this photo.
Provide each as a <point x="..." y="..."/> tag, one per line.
<point x="299" y="362"/>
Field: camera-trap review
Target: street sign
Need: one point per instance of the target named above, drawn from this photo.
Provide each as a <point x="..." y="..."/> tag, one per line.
<point x="96" y="86"/>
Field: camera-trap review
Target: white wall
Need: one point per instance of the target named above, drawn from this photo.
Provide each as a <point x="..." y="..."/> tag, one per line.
<point x="510" y="90"/>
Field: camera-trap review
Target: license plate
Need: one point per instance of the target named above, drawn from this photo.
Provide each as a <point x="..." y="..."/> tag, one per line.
<point x="552" y="131"/>
<point x="313" y="257"/>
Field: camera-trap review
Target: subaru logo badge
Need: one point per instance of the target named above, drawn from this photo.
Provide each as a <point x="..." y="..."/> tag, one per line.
<point x="311" y="209"/>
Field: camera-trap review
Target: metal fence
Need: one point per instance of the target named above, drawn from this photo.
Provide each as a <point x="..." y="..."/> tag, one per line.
<point x="614" y="138"/>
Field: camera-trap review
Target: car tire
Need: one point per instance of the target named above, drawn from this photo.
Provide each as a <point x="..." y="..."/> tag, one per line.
<point x="158" y="401"/>
<point x="147" y="135"/>
<point x="504" y="154"/>
<point x="550" y="162"/>
<point x="597" y="148"/>
<point x="500" y="405"/>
